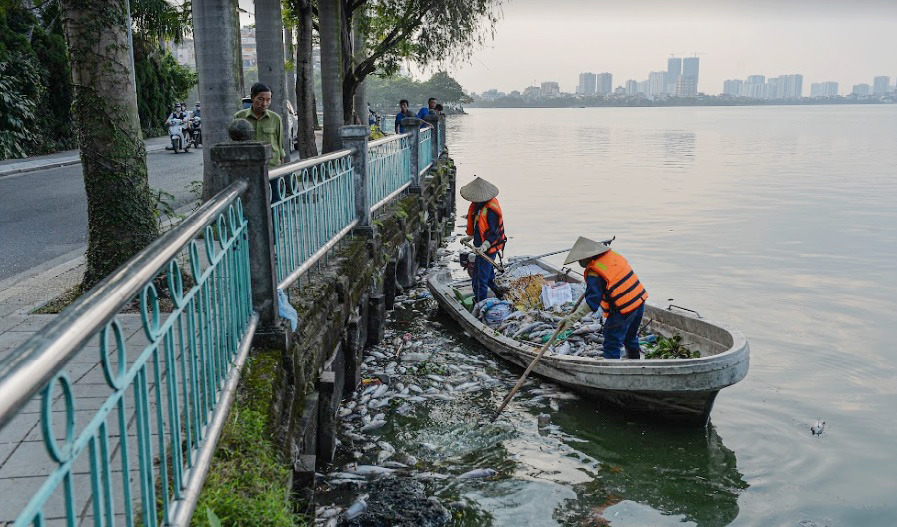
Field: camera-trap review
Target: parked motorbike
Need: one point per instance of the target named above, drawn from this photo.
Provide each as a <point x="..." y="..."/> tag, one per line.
<point x="177" y="134"/>
<point x="196" y="132"/>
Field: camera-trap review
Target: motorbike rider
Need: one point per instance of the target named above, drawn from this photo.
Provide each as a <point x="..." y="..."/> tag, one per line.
<point x="196" y="125"/>
<point x="180" y="112"/>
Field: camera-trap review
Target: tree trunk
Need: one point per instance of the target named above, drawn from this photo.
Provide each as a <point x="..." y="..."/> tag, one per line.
<point x="329" y="22"/>
<point x="120" y="210"/>
<point x="269" y="43"/>
<point x="305" y="95"/>
<point x="218" y="61"/>
<point x="360" y="102"/>
<point x="348" y="65"/>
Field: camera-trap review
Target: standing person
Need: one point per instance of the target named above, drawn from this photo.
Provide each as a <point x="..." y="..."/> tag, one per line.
<point x="403" y="113"/>
<point x="267" y="124"/>
<point x="439" y="111"/>
<point x="613" y="287"/>
<point x="196" y="110"/>
<point x="486" y="228"/>
<point x="429" y="109"/>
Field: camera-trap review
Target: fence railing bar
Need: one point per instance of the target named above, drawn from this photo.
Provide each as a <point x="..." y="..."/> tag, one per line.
<point x="182" y="510"/>
<point x="306" y="163"/>
<point x="286" y="282"/>
<point x="34" y="364"/>
<point x="391" y="195"/>
<point x="393" y="137"/>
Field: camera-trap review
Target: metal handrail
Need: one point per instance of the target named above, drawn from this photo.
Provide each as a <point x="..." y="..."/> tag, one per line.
<point x="393" y="137"/>
<point x="24" y="373"/>
<point x="313" y="259"/>
<point x="306" y="163"/>
<point x="388" y="198"/>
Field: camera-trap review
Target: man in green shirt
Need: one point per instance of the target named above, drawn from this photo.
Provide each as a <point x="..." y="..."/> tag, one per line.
<point x="267" y="124"/>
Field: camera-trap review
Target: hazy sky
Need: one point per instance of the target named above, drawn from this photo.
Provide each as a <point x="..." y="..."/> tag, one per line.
<point x="539" y="40"/>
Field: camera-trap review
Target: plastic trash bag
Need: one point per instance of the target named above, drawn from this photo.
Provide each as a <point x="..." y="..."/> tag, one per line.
<point x="556" y="296"/>
<point x="286" y="310"/>
<point x="492" y="311"/>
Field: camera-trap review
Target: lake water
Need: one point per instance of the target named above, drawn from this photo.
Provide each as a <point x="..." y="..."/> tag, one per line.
<point x="780" y="221"/>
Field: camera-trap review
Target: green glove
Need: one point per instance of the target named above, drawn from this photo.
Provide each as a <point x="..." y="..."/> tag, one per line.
<point x="484" y="247"/>
<point x="574" y="317"/>
<point x="466" y="239"/>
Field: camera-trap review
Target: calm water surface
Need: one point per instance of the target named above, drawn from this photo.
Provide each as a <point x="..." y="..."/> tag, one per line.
<point x="780" y="221"/>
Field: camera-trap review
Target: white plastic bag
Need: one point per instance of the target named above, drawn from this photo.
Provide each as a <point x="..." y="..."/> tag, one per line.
<point x="285" y="310"/>
<point x="556" y="296"/>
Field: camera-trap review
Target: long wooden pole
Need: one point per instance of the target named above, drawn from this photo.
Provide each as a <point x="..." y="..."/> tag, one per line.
<point x="490" y="260"/>
<point x="533" y="363"/>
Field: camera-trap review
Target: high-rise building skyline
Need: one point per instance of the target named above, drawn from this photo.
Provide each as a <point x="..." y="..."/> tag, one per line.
<point x="824" y="89"/>
<point x="860" y="89"/>
<point x="690" y="68"/>
<point x="604" y="83"/>
<point x="657" y="83"/>
<point x="881" y="85"/>
<point x="733" y="87"/>
<point x="587" y="83"/>
<point x="686" y="86"/>
<point x="550" y="89"/>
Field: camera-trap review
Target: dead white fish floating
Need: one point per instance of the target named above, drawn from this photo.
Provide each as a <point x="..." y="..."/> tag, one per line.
<point x="478" y="473"/>
<point x="818" y="428"/>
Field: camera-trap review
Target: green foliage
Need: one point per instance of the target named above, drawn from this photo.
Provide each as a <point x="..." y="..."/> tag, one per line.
<point x="161" y="82"/>
<point x="670" y="348"/>
<point x="19" y="91"/>
<point x="386" y="92"/>
<point x="247" y="484"/>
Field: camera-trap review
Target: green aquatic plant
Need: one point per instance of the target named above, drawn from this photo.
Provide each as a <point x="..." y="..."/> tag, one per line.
<point x="670" y="348"/>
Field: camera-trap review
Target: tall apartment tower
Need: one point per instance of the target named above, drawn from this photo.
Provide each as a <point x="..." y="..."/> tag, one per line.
<point x="674" y="69"/>
<point x="605" y="83"/>
<point x="690" y="66"/>
<point x="586" y="84"/>
<point x="881" y="85"/>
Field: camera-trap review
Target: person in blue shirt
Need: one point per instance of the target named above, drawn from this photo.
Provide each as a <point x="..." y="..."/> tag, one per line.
<point x="429" y="109"/>
<point x="403" y="113"/>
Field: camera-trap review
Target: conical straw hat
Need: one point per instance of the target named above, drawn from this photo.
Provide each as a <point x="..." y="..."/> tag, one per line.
<point x="479" y="190"/>
<point x="585" y="248"/>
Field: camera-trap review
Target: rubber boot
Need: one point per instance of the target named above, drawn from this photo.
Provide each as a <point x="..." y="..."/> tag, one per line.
<point x="634" y="354"/>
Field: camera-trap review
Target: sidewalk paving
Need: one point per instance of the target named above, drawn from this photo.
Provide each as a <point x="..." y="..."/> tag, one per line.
<point x="11" y="167"/>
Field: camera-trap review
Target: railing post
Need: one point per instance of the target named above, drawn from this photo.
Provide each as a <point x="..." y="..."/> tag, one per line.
<point x="412" y="124"/>
<point x="442" y="134"/>
<point x="248" y="160"/>
<point x="433" y="121"/>
<point x="355" y="138"/>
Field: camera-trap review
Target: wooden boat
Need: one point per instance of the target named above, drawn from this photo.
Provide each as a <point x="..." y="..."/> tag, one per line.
<point x="672" y="390"/>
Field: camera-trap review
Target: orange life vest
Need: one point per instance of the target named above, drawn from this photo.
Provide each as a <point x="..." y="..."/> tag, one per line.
<point x="623" y="291"/>
<point x="482" y="224"/>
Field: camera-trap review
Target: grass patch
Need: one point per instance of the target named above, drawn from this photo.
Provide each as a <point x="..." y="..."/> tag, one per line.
<point x="59" y="303"/>
<point x="248" y="484"/>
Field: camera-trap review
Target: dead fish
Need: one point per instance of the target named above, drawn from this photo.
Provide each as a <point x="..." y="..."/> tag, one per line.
<point x="380" y="391"/>
<point x="386" y="446"/>
<point x="818" y="428"/>
<point x="415" y="388"/>
<point x="367" y="470"/>
<point x="373" y="425"/>
<point x="384" y="455"/>
<point x="436" y="378"/>
<point x="478" y="473"/>
<point x="394" y="464"/>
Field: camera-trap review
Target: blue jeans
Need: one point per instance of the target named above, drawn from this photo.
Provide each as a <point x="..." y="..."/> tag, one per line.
<point x="483" y="279"/>
<point x="621" y="331"/>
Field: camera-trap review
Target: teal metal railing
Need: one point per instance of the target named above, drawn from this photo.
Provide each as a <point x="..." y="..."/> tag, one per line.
<point x="425" y="149"/>
<point x="130" y="386"/>
<point x="313" y="208"/>
<point x="389" y="168"/>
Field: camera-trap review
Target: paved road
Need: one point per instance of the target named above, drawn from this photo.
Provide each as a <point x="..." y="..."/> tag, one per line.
<point x="43" y="214"/>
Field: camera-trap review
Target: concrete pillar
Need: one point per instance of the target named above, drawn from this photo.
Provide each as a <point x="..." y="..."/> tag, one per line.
<point x="412" y="124"/>
<point x="389" y="285"/>
<point x="433" y="121"/>
<point x="355" y="138"/>
<point x="328" y="404"/>
<point x="442" y="136"/>
<point x="376" y="318"/>
<point x="241" y="159"/>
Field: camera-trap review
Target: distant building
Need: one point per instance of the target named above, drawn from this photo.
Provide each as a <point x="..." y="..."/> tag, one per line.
<point x="657" y="83"/>
<point x="824" y="89"/>
<point x="550" y="89"/>
<point x="793" y="86"/>
<point x="690" y="67"/>
<point x="587" y="84"/>
<point x="733" y="87"/>
<point x="604" y="83"/>
<point x="674" y="69"/>
<point x="754" y="86"/>
<point x="515" y="94"/>
<point x="532" y="92"/>
<point x="686" y="86"/>
<point x="631" y="87"/>
<point x="881" y="85"/>
<point x="247" y="45"/>
<point x="619" y="90"/>
<point x="491" y="95"/>
<point x="860" y="89"/>
<point x="641" y="88"/>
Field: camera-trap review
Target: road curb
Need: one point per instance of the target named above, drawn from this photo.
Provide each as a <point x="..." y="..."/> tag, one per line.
<point x="64" y="162"/>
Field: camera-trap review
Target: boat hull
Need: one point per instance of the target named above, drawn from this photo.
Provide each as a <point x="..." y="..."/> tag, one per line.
<point x="671" y="390"/>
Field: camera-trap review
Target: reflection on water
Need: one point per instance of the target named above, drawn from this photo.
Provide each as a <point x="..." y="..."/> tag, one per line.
<point x="780" y="221"/>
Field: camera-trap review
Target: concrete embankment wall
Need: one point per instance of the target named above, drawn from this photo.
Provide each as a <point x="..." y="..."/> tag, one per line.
<point x="342" y="308"/>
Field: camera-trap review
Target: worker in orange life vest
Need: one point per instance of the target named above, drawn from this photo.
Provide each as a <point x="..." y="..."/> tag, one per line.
<point x="485" y="227"/>
<point x="613" y="287"/>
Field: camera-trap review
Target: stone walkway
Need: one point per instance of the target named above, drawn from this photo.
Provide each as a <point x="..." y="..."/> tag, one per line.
<point x="24" y="459"/>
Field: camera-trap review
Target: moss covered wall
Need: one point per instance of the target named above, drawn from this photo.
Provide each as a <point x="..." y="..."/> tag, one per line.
<point x="341" y="309"/>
